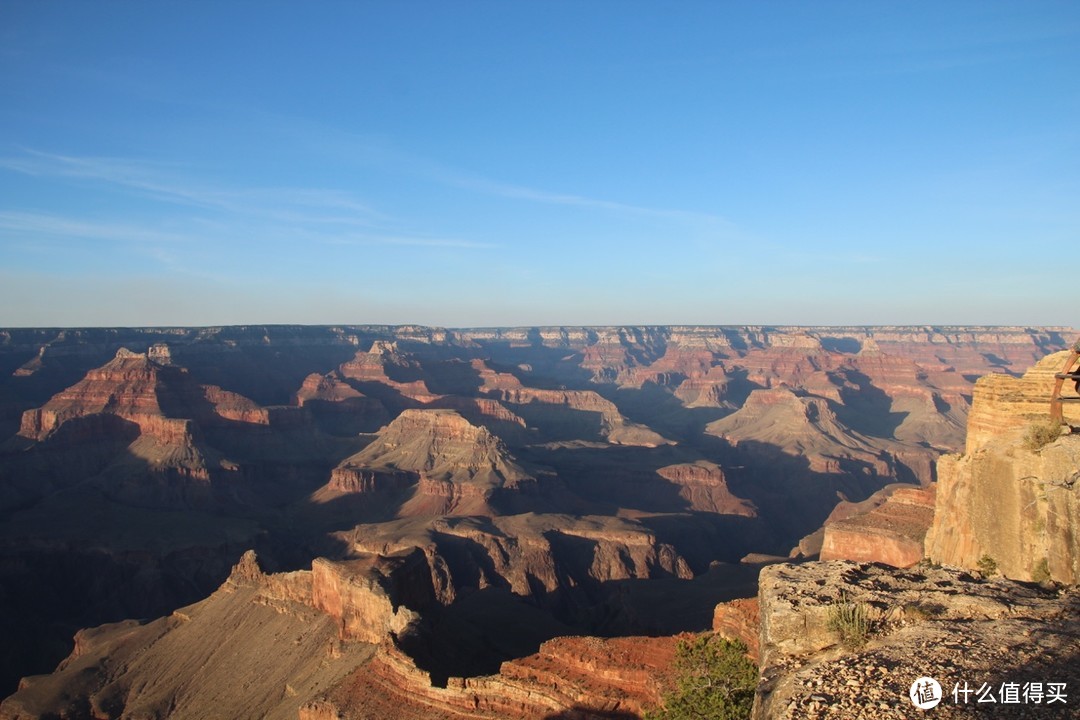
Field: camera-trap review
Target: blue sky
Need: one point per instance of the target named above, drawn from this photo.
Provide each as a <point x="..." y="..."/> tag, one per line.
<point x="519" y="163"/>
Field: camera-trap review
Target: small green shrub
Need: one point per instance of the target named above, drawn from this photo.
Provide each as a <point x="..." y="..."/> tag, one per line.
<point x="851" y="621"/>
<point x="1041" y="572"/>
<point x="987" y="566"/>
<point x="714" y="680"/>
<point x="1041" y="433"/>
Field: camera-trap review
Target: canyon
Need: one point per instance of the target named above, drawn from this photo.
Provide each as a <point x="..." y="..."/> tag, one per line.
<point x="422" y="522"/>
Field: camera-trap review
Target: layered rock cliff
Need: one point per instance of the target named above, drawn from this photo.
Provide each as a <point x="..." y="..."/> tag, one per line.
<point x="1009" y="503"/>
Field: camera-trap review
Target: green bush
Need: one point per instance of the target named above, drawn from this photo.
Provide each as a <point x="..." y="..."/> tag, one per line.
<point x="987" y="566"/>
<point x="714" y="680"/>
<point x="850" y="621"/>
<point x="1042" y="433"/>
<point x="1041" y="572"/>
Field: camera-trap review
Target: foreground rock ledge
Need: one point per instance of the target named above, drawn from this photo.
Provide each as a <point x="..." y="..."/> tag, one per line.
<point x="928" y="621"/>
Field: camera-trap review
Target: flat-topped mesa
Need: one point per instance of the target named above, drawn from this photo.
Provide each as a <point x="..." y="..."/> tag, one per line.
<point x="613" y="426"/>
<point x="703" y="485"/>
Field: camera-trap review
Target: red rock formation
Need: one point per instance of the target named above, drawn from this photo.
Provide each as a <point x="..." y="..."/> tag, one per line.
<point x="493" y="380"/>
<point x="1001" y="403"/>
<point x="386" y="365"/>
<point x="330" y="388"/>
<point x="892" y="533"/>
<point x="580" y="675"/>
<point x="740" y="620"/>
<point x="702" y="484"/>
<point x="613" y="426"/>
<point x="524" y="552"/>
<point x="1007" y="498"/>
<point x="359" y="594"/>
<point x="125" y="386"/>
<point x="360" y="480"/>
<point x="707" y="390"/>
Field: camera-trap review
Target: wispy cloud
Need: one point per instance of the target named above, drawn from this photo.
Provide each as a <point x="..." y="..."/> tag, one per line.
<point x="39" y="224"/>
<point x="165" y="183"/>
<point x="383" y="154"/>
<point x="315" y="215"/>
<point x="408" y="241"/>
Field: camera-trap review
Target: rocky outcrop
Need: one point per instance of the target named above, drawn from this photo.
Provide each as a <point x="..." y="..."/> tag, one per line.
<point x="532" y="555"/>
<point x="126" y="386"/>
<point x="605" y="427"/>
<point x="371" y="598"/>
<point x="802" y="426"/>
<point x="296" y="644"/>
<point x="610" y="423"/>
<point x="142" y="390"/>
<point x="384" y="364"/>
<point x="1008" y="505"/>
<point x="925" y="621"/>
<point x="568" y="677"/>
<point x="256" y="648"/>
<point x="457" y="466"/>
<point x="338" y="407"/>
<point x="740" y="620"/>
<point x="1016" y="507"/>
<point x="892" y="533"/>
<point x="703" y="486"/>
<point x="1001" y="403"/>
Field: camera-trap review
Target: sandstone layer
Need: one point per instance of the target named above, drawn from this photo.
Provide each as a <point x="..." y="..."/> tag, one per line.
<point x="892" y="533"/>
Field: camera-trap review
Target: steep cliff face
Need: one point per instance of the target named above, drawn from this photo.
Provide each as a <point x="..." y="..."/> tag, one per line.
<point x="1004" y="499"/>
<point x="126" y="386"/>
<point x="892" y="533"/>
<point x="384" y="365"/>
<point x="340" y="408"/>
<point x="702" y="484"/>
<point x="593" y="444"/>
<point x="371" y="598"/>
<point x="1016" y="506"/>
